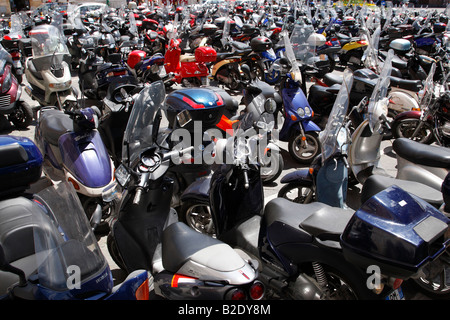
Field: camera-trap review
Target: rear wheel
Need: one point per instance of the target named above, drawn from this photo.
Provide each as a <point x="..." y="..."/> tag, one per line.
<point x="405" y="128"/>
<point x="296" y="192"/>
<point x="23" y="116"/>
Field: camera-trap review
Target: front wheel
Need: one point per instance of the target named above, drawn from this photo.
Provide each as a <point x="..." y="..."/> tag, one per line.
<point x="405" y="128"/>
<point x="304" y="148"/>
<point x="197" y="216"/>
<point x="270" y="172"/>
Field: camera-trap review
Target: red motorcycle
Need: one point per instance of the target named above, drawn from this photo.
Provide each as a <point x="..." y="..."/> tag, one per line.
<point x="188" y="69"/>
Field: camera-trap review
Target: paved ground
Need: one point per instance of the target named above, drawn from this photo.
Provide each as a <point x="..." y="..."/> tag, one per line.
<point x="388" y="161"/>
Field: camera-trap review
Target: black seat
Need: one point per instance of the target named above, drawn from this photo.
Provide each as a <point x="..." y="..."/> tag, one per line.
<point x="377" y="183"/>
<point x="304" y="221"/>
<point x="181" y="243"/>
<point x="423" y="154"/>
<point x="411" y="85"/>
<point x="332" y="78"/>
<point x="53" y="124"/>
<point x="396" y="61"/>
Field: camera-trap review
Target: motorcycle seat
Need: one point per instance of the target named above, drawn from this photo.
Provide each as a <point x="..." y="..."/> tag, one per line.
<point x="304" y="221"/>
<point x="376" y="183"/>
<point x="187" y="58"/>
<point x="396" y="61"/>
<point x="182" y="244"/>
<point x="422" y="154"/>
<point x="332" y="78"/>
<point x="240" y="46"/>
<point x="32" y="69"/>
<point x="53" y="124"/>
<point x="411" y="85"/>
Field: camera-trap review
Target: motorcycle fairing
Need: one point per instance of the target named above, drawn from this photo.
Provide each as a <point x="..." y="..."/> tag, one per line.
<point x="86" y="158"/>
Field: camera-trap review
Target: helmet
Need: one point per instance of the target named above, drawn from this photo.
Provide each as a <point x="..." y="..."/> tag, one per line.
<point x="400" y="45"/>
<point x="316" y="40"/>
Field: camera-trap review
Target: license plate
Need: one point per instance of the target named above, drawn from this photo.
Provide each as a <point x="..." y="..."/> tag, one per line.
<point x="396" y="295"/>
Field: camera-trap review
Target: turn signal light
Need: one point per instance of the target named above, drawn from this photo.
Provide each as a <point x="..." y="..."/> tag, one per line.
<point x="143" y="292"/>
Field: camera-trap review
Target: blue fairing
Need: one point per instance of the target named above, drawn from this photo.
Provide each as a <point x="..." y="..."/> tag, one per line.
<point x="86" y="157"/>
<point x="94" y="289"/>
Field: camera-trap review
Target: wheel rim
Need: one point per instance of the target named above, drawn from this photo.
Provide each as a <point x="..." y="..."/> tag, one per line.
<point x="199" y="218"/>
<point x="305" y="151"/>
<point x="437" y="279"/>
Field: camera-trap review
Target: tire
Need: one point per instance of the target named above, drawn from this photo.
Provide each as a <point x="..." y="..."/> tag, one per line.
<point x="406" y="127"/>
<point x="235" y="80"/>
<point x="438" y="285"/>
<point x="299" y="153"/>
<point x="197" y="215"/>
<point x="297" y="193"/>
<point x="114" y="252"/>
<point x="270" y="175"/>
<point x="23" y="116"/>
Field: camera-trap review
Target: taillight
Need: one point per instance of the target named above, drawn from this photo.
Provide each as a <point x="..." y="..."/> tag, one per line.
<point x="257" y="291"/>
<point x="15" y="55"/>
<point x="237" y="294"/>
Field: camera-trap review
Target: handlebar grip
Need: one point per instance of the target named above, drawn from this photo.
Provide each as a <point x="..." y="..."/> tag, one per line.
<point x="137" y="196"/>
<point x="246" y="182"/>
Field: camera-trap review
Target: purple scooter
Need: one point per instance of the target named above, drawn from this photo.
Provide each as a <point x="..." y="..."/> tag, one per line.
<point x="74" y="151"/>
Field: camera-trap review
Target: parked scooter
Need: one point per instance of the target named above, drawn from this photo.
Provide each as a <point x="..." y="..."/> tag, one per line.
<point x="298" y="130"/>
<point x="144" y="234"/>
<point x="74" y="151"/>
<point x="41" y="244"/>
<point x="48" y="71"/>
<point x="12" y="107"/>
<point x="188" y="69"/>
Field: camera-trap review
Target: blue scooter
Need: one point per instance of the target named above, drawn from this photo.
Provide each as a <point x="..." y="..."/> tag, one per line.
<point x="298" y="129"/>
<point x="74" y="151"/>
<point x="47" y="248"/>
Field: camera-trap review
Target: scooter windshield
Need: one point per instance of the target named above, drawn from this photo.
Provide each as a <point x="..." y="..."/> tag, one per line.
<point x="16" y="26"/>
<point x="67" y="252"/>
<point x="47" y="40"/>
<point x="330" y="137"/>
<point x="139" y="133"/>
<point x="378" y="101"/>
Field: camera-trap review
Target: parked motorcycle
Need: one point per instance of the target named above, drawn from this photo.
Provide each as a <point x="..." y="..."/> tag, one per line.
<point x="48" y="71"/>
<point x="174" y="253"/>
<point x="12" y="107"/>
<point x="74" y="151"/>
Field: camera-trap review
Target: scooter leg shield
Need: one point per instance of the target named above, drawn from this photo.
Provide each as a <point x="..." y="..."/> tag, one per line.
<point x="332" y="183"/>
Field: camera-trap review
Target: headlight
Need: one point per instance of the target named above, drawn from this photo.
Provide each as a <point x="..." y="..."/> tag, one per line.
<point x="301" y="112"/>
<point x="270" y="105"/>
<point x="304" y="112"/>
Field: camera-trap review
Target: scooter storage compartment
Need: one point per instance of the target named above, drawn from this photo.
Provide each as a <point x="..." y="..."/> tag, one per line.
<point x="20" y="163"/>
<point x="396" y="231"/>
<point x="205" y="54"/>
<point x="204" y="105"/>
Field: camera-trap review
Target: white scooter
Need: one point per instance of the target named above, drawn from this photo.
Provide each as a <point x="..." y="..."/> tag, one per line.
<point x="47" y="70"/>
